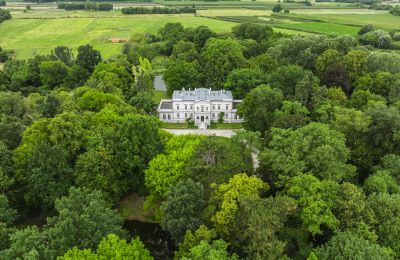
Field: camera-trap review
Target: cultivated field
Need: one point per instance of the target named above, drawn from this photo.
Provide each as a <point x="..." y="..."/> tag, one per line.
<point x="30" y="36"/>
<point x="44" y="27"/>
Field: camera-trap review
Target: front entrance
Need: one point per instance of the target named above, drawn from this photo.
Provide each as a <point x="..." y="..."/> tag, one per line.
<point x="202" y="119"/>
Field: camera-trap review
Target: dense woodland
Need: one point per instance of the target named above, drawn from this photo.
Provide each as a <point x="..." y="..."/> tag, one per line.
<point x="322" y="112"/>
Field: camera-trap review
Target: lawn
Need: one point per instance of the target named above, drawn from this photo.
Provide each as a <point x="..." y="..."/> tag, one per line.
<point x="40" y="36"/>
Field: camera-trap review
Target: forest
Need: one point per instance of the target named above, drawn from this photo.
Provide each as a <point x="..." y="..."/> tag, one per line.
<point x="321" y="113"/>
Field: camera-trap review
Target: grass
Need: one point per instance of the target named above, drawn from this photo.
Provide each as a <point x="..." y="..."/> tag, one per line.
<point x="174" y="125"/>
<point x="158" y="95"/>
<point x="380" y="20"/>
<point x="319" y="27"/>
<point x="131" y="208"/>
<point x="39" y="36"/>
<point x="226" y="126"/>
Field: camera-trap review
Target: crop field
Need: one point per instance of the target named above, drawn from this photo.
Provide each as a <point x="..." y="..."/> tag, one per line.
<point x="45" y="27"/>
<point x="38" y="36"/>
<point x="380" y="20"/>
<point x="319" y="27"/>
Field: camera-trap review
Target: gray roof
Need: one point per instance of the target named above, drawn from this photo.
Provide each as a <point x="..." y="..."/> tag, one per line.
<point x="166" y="104"/>
<point x="202" y="94"/>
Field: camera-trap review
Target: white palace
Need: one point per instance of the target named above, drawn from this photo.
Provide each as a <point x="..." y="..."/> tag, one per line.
<point x="201" y="104"/>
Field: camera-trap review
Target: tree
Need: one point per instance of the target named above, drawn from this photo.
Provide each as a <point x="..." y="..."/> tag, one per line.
<point x="82" y="220"/>
<point x="295" y="83"/>
<point x="111" y="77"/>
<point x="6" y="168"/>
<point x="64" y="54"/>
<point x="48" y="177"/>
<point x="260" y="222"/>
<point x="345" y="245"/>
<point x="292" y="115"/>
<point x="377" y="38"/>
<point x="53" y="73"/>
<point x="314" y="149"/>
<point x="88" y="57"/>
<point x="193" y="239"/>
<point x="223" y="202"/>
<point x="355" y="63"/>
<point x="144" y="101"/>
<point x="77" y="76"/>
<point x="167" y="169"/>
<point x="219" y="57"/>
<point x="277" y="8"/>
<point x="111" y="247"/>
<point x="315" y="200"/>
<point x="172" y="32"/>
<point x="201" y="35"/>
<point x="385" y="221"/>
<point x="208" y="165"/>
<point x="263" y="62"/>
<point x="366" y="29"/>
<point x="381" y="182"/>
<point x="381" y="83"/>
<point x="327" y="59"/>
<point x="117" y="157"/>
<point x="252" y="31"/>
<point x="241" y="81"/>
<point x="216" y="250"/>
<point x="183" y="208"/>
<point x="185" y="51"/>
<point x="181" y="74"/>
<point x="258" y="107"/>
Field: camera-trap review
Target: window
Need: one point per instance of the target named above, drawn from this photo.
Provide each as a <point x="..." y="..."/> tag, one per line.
<point x="202" y="109"/>
<point x="177" y="115"/>
<point x="191" y="106"/>
<point x="177" y="107"/>
<point x="163" y="116"/>
<point x="185" y="106"/>
<point x="185" y="115"/>
<point x="236" y="116"/>
<point x="197" y="109"/>
<point x="219" y="107"/>
<point x="197" y="117"/>
<point x="169" y="116"/>
<point x="191" y="115"/>
<point x="213" y="107"/>
<point x="207" y="117"/>
<point x="226" y="107"/>
<point x="226" y="115"/>
<point x="213" y="115"/>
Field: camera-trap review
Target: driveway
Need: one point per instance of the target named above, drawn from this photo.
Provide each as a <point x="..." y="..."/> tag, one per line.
<point x="217" y="132"/>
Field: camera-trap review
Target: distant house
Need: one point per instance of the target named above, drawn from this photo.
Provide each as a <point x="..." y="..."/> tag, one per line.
<point x="201" y="104"/>
<point x="118" y="40"/>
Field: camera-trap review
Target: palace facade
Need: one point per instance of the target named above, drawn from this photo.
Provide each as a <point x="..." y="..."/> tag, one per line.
<point x="201" y="104"/>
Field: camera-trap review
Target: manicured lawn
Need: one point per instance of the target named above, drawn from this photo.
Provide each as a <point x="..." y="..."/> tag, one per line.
<point x="40" y="36"/>
<point x="174" y="125"/>
<point x="319" y="27"/>
<point x="226" y="126"/>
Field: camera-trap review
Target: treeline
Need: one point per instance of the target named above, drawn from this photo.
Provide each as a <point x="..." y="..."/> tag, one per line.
<point x="157" y="10"/>
<point x="322" y="113"/>
<point x="4" y="15"/>
<point x="85" y="6"/>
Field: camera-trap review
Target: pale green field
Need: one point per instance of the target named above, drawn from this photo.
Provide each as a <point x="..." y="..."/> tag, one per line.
<point x="40" y="36"/>
<point x="383" y="21"/>
<point x="233" y="12"/>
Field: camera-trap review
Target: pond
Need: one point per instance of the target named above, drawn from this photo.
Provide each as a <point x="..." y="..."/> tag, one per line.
<point x="156" y="240"/>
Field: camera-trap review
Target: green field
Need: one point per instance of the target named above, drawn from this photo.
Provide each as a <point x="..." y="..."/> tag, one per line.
<point x="30" y="36"/>
<point x="319" y="27"/>
<point x="380" y="20"/>
<point x="45" y="27"/>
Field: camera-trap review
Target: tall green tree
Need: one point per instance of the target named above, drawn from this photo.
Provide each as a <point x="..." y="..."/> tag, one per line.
<point x="219" y="57"/>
